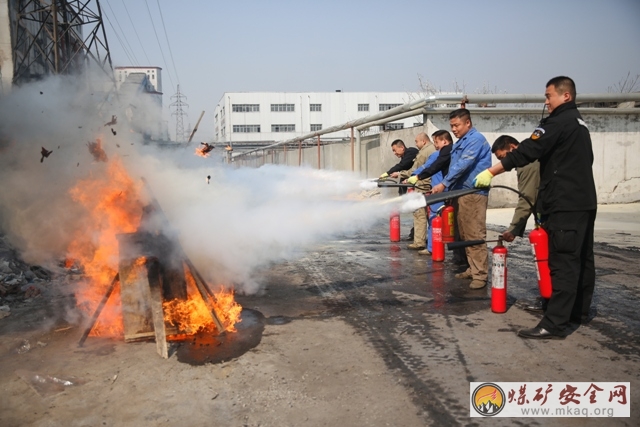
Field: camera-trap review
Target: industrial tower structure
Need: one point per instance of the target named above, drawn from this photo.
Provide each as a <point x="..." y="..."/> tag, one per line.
<point x="179" y="113"/>
<point x="54" y="37"/>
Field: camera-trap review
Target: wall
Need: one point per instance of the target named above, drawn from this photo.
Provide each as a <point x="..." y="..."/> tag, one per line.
<point x="615" y="138"/>
<point x="6" y="56"/>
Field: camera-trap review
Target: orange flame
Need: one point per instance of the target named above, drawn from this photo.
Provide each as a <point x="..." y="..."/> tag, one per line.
<point x="114" y="206"/>
<point x="194" y="314"/>
<point x="201" y="151"/>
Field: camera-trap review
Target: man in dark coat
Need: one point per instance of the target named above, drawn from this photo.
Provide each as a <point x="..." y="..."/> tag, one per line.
<point x="567" y="205"/>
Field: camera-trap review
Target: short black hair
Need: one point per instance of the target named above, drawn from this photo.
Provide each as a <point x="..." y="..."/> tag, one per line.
<point x="442" y="134"/>
<point x="460" y="113"/>
<point x="503" y="142"/>
<point x="563" y="84"/>
<point x="398" y="142"/>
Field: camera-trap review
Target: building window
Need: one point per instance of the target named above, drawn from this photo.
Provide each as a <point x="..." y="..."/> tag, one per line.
<point x="283" y="128"/>
<point x="246" y="128"/>
<point x="385" y="107"/>
<point x="316" y="127"/>
<point x="363" y="107"/>
<point x="315" y="107"/>
<point x="245" y="108"/>
<point x="282" y="107"/>
<point x="394" y="126"/>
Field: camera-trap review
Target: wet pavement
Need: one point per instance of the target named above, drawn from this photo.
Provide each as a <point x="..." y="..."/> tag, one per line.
<point x="438" y="335"/>
<point x="354" y="331"/>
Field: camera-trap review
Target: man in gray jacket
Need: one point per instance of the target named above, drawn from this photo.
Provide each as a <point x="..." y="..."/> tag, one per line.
<point x="528" y="182"/>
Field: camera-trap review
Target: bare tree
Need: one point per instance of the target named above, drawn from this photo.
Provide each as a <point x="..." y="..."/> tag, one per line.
<point x="626" y="84"/>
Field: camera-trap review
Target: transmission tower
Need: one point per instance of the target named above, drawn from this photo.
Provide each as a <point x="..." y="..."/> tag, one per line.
<point x="57" y="37"/>
<point x="179" y="113"/>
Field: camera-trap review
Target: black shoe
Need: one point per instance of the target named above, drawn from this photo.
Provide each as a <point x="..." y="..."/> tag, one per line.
<point x="410" y="238"/>
<point x="460" y="261"/>
<point x="538" y="306"/>
<point x="539" y="333"/>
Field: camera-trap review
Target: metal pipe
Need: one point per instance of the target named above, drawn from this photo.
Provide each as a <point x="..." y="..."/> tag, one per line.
<point x="393" y="118"/>
<point x="457" y="99"/>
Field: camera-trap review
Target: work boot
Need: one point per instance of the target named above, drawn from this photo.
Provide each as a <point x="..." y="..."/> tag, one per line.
<point x="477" y="284"/>
<point x="424" y="252"/>
<point x="464" y="275"/>
<point x="415" y="246"/>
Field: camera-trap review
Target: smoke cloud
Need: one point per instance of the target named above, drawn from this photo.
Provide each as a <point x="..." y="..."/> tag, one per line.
<point x="244" y="219"/>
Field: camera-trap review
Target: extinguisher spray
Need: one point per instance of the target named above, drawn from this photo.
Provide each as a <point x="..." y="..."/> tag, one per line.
<point x="499" y="278"/>
<point x="394" y="226"/>
<point x="540" y="247"/>
<point x="437" y="246"/>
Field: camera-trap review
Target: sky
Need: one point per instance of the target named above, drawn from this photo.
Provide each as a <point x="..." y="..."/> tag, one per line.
<point x="361" y="46"/>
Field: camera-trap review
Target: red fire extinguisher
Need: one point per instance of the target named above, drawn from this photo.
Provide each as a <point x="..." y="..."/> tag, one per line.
<point x="437" y="246"/>
<point x="394" y="226"/>
<point x="499" y="278"/>
<point x="448" y="224"/>
<point x="540" y="247"/>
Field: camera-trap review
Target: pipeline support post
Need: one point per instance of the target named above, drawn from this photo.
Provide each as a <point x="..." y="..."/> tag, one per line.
<point x="318" y="151"/>
<point x="300" y="153"/>
<point x="352" y="160"/>
<point x="357" y="154"/>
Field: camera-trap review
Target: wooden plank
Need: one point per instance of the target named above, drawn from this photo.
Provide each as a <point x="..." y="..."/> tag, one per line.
<point x="134" y="287"/>
<point x="96" y="314"/>
<point x="155" y="301"/>
<point x="209" y="299"/>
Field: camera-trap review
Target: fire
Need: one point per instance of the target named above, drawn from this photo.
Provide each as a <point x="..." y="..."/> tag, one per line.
<point x="193" y="314"/>
<point x="113" y="206"/>
<point x="204" y="150"/>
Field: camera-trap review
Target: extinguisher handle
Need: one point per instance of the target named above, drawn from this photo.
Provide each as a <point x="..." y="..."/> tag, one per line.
<point x="464" y="243"/>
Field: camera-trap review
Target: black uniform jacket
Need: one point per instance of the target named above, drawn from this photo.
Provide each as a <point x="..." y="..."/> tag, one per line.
<point x="563" y="145"/>
<point x="441" y="164"/>
<point x="406" y="161"/>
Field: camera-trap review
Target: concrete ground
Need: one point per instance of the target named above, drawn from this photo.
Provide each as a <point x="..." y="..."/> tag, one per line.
<point x="356" y="331"/>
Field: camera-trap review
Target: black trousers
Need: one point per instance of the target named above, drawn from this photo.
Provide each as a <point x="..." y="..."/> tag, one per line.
<point x="573" y="273"/>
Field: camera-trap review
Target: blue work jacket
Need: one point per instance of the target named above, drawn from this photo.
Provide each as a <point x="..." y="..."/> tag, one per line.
<point x="470" y="155"/>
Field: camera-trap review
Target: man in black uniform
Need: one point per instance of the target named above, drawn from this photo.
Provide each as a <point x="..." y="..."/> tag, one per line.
<point x="567" y="204"/>
<point x="407" y="156"/>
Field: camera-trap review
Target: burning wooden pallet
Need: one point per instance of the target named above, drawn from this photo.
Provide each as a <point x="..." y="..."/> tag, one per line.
<point x="153" y="269"/>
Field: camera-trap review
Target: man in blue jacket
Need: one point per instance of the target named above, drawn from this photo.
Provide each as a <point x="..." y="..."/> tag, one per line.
<point x="470" y="155"/>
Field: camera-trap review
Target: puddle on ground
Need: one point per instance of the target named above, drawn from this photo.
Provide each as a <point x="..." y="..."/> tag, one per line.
<point x="205" y="348"/>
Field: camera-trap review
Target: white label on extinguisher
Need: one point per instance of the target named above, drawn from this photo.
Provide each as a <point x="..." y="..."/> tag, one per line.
<point x="497" y="271"/>
<point x="535" y="260"/>
<point x="436" y="233"/>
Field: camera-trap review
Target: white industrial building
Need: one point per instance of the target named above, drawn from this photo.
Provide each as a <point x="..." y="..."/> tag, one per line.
<point x="154" y="77"/>
<point x="140" y="90"/>
<point x="277" y="116"/>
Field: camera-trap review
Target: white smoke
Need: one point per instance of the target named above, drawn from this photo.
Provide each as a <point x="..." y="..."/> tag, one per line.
<point x="244" y="219"/>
